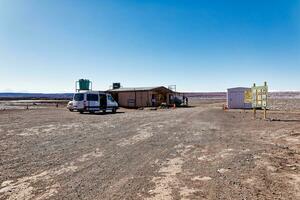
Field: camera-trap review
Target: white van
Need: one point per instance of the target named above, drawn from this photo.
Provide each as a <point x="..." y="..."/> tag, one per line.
<point x="93" y="101"/>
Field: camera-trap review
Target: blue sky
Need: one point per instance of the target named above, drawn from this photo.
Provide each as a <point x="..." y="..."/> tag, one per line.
<point x="199" y="45"/>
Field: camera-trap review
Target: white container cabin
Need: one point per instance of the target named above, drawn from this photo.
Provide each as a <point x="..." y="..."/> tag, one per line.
<point x="235" y="98"/>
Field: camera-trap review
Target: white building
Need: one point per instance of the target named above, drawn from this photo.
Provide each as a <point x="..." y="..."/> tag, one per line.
<point x="235" y="98"/>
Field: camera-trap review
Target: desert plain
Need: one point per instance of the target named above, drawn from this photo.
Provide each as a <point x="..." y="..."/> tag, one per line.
<point x="199" y="152"/>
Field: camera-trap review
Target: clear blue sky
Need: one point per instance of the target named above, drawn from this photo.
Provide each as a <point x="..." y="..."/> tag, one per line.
<point x="200" y="45"/>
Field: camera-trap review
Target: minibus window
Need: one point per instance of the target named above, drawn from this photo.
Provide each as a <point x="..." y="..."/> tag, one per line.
<point x="111" y="99"/>
<point x="78" y="97"/>
<point x="92" y="97"/>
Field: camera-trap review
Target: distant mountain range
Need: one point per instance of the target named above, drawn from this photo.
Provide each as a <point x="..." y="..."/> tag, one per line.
<point x="11" y="95"/>
<point x="201" y="95"/>
<point x="206" y="95"/>
<point x="222" y="95"/>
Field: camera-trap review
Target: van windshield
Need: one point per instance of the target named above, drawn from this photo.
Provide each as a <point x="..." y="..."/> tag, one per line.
<point x="78" y="97"/>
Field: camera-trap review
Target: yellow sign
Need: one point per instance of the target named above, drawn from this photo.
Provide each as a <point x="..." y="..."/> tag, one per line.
<point x="248" y="96"/>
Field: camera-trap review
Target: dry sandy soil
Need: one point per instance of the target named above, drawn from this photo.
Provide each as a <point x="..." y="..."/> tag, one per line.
<point x="201" y="152"/>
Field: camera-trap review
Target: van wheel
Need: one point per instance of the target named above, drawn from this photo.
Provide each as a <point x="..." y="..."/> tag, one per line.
<point x="81" y="112"/>
<point x="114" y="110"/>
<point x="91" y="112"/>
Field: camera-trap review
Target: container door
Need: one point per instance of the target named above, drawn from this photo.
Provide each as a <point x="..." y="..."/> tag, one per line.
<point x="234" y="99"/>
<point x="238" y="100"/>
<point x="241" y="100"/>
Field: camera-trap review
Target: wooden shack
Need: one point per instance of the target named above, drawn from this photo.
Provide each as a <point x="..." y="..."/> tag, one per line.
<point x="142" y="96"/>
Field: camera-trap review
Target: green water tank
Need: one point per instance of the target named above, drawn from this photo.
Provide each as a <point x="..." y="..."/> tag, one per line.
<point x="84" y="84"/>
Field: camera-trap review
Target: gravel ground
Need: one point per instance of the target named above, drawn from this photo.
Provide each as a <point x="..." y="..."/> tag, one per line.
<point x="200" y="152"/>
<point x="285" y="104"/>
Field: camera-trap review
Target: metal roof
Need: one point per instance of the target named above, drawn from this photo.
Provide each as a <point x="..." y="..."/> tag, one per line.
<point x="238" y="88"/>
<point x="130" y="89"/>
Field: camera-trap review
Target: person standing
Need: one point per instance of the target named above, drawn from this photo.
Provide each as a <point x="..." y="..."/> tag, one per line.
<point x="153" y="100"/>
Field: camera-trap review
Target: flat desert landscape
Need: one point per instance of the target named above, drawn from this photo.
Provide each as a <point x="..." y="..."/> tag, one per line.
<point x="200" y="152"/>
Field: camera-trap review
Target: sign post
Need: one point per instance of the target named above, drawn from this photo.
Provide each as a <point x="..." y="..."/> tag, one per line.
<point x="260" y="98"/>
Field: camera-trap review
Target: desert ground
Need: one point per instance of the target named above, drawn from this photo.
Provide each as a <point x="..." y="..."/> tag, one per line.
<point x="200" y="152"/>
